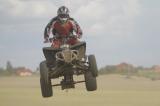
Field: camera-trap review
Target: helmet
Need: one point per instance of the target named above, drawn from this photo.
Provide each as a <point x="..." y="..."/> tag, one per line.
<point x="63" y="14"/>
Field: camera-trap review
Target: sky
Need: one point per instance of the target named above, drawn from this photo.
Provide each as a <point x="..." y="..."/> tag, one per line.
<point x="115" y="30"/>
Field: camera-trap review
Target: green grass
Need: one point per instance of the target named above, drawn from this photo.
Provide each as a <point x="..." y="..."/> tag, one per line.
<point x="113" y="90"/>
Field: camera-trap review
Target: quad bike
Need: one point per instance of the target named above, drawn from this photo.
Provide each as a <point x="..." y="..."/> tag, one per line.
<point x="66" y="61"/>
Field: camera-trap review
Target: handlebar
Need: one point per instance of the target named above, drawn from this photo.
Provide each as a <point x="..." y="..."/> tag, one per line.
<point x="49" y="40"/>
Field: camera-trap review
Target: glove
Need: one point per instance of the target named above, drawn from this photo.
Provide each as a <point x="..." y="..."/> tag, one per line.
<point x="72" y="35"/>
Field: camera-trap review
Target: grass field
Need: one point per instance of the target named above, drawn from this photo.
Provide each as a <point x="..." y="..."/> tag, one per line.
<point x="113" y="90"/>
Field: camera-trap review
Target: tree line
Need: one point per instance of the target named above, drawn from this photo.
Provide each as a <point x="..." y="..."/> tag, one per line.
<point x="129" y="70"/>
<point x="9" y="70"/>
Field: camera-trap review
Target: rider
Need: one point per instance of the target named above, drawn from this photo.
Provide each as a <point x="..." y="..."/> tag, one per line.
<point x="63" y="26"/>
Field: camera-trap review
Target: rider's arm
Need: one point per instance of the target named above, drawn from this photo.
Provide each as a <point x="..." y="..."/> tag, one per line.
<point x="76" y="28"/>
<point x="48" y="27"/>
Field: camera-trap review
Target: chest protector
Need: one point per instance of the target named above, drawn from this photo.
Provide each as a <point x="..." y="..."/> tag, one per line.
<point x="62" y="29"/>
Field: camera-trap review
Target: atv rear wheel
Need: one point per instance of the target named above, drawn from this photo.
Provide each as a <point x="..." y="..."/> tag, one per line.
<point x="90" y="81"/>
<point x="93" y="65"/>
<point x="45" y="81"/>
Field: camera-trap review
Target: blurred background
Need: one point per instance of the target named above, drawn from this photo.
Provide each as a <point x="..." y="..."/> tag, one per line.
<point x="123" y="35"/>
<point x="115" y="31"/>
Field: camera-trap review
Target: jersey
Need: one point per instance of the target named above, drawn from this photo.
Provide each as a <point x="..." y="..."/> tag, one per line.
<point x="61" y="30"/>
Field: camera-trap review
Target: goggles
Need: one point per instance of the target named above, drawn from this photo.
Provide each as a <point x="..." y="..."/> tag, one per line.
<point x="63" y="15"/>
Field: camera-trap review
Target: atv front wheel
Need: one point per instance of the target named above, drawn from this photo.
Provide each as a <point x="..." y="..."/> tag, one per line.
<point x="90" y="81"/>
<point x="45" y="81"/>
<point x="93" y="65"/>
